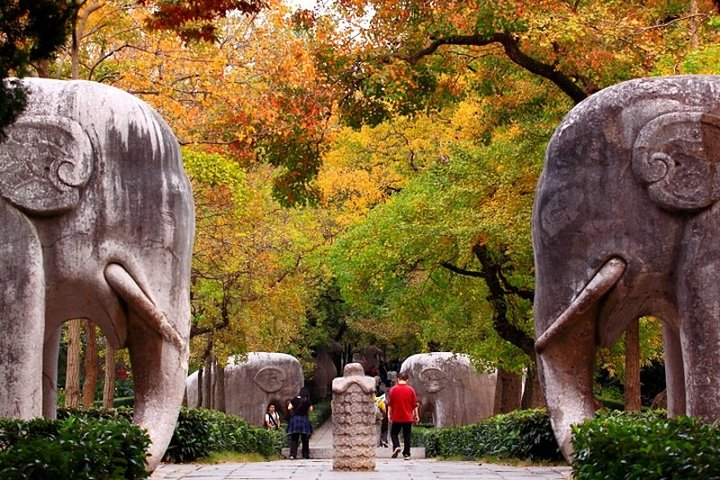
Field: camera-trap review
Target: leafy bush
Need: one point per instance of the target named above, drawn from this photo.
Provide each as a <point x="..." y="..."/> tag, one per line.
<point x="192" y="438"/>
<point x="76" y="448"/>
<point x="321" y="412"/>
<point x="122" y="413"/>
<point x="645" y="445"/>
<point x="523" y="434"/>
<point x="200" y="432"/>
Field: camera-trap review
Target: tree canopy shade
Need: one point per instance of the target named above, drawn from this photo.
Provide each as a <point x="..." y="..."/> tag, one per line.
<point x="30" y="31"/>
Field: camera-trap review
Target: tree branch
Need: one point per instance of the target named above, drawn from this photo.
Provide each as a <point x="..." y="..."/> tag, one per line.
<point x="510" y="44"/>
<point x="462" y="271"/>
<point x="499" y="301"/>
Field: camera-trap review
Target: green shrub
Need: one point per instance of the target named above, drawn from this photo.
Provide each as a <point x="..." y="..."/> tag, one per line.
<point x="523" y="434"/>
<point x="192" y="438"/>
<point x="231" y="433"/>
<point x="122" y="413"/>
<point x="645" y="446"/>
<point x="128" y="402"/>
<point x="76" y="448"/>
<point x="200" y="432"/>
<point x="320" y="413"/>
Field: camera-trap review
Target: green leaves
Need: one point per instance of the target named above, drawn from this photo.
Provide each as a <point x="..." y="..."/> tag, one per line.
<point x="640" y="446"/>
<point x="32" y="30"/>
<point x="460" y="189"/>
<point x="523" y="434"/>
<point x="216" y="172"/>
<point x="79" y="447"/>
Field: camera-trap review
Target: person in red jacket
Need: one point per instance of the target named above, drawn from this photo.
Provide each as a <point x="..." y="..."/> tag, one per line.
<point x="402" y="413"/>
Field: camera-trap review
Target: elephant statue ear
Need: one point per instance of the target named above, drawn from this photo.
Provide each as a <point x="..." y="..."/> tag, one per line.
<point x="433" y="379"/>
<point x="676" y="155"/>
<point x="270" y="379"/>
<point x="45" y="161"/>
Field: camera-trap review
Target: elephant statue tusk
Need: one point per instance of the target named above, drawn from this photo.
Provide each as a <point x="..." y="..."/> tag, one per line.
<point x="128" y="289"/>
<point x="598" y="286"/>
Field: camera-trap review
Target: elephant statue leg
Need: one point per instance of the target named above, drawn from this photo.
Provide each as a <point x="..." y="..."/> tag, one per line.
<point x="22" y="309"/>
<point x="700" y="316"/>
<point x="50" y="368"/>
<point x="674" y="371"/>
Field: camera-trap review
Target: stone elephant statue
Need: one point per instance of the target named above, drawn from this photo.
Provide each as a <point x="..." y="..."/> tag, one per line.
<point x="97" y="222"/>
<point x="252" y="383"/>
<point x="626" y="223"/>
<point x="449" y="387"/>
<point x="323" y="374"/>
<point x="370" y="358"/>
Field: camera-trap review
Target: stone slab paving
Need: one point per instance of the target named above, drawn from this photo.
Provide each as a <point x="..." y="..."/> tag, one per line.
<point x="318" y="468"/>
<point x="393" y="469"/>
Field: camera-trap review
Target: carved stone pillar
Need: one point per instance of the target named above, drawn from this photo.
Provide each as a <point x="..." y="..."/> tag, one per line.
<point x="353" y="416"/>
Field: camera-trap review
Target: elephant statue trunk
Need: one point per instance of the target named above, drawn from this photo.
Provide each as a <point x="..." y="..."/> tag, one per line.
<point x="97" y="223"/>
<point x="626" y="224"/>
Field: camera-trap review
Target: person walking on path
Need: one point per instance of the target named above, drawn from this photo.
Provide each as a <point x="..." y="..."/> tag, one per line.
<point x="272" y="418"/>
<point x="299" y="427"/>
<point x="402" y="413"/>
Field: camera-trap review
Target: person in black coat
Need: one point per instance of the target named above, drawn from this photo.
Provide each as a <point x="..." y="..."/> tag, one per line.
<point x="299" y="427"/>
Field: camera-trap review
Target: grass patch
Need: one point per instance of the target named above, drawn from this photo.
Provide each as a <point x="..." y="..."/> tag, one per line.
<point x="234" y="457"/>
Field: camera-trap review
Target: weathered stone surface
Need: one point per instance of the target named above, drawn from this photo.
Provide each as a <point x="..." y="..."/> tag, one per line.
<point x="97" y="222"/>
<point x="323" y="374"/>
<point x="449" y="387"/>
<point x="254" y="382"/>
<point x="353" y="417"/>
<point x="625" y="224"/>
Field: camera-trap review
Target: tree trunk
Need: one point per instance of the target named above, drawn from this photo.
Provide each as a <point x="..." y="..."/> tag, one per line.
<point x="91" y="366"/>
<point x="219" y="386"/>
<point x="72" y="372"/>
<point x="207" y="384"/>
<point x="109" y="388"/>
<point x="200" y="381"/>
<point x="507" y="392"/>
<point x="632" y="367"/>
<point x="532" y="396"/>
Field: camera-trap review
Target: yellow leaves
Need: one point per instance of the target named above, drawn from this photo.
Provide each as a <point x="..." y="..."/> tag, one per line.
<point x="353" y="191"/>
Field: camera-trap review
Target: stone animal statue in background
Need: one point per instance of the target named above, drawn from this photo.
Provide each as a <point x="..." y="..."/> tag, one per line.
<point x="449" y="387"/>
<point x="626" y="223"/>
<point x="97" y="222"/>
<point x="323" y="374"/>
<point x="252" y="383"/>
<point x="370" y="358"/>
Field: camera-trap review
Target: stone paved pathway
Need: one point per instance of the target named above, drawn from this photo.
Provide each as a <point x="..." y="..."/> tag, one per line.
<point x="395" y="469"/>
<point x="386" y="469"/>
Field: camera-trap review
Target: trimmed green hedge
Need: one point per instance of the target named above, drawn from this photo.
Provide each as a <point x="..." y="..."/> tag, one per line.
<point x="644" y="446"/>
<point x="320" y="413"/>
<point x="523" y="434"/>
<point x="200" y="432"/>
<point x="74" y="448"/>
